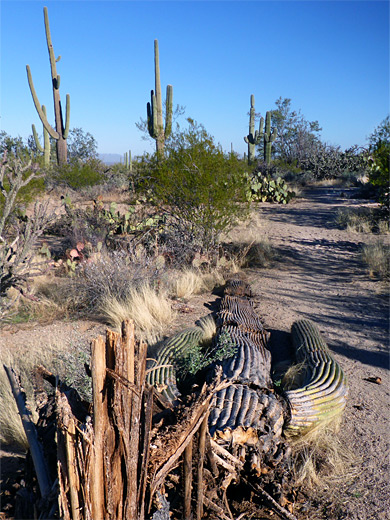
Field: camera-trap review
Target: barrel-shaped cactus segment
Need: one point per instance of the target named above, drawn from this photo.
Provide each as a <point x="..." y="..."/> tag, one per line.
<point x="322" y="394"/>
<point x="162" y="373"/>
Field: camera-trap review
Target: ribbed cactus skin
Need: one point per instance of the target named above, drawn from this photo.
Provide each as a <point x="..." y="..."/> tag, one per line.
<point x="323" y="394"/>
<point x="269" y="138"/>
<point x="163" y="375"/>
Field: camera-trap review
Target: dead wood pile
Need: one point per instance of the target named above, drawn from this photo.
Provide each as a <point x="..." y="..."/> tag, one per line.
<point x="217" y="452"/>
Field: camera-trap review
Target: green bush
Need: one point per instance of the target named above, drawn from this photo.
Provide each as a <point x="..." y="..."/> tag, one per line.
<point x="378" y="160"/>
<point x="200" y="188"/>
<point x="78" y="174"/>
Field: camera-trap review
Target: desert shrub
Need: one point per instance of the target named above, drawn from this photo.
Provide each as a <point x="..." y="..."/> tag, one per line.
<point x="328" y="162"/>
<point x="78" y="174"/>
<point x="17" y="234"/>
<point x="200" y="188"/>
<point x="378" y="161"/>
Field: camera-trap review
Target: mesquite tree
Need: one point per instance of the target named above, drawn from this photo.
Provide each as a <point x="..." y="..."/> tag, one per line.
<point x="60" y="133"/>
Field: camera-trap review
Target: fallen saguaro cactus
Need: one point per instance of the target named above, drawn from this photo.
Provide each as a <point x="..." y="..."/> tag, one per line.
<point x="142" y="450"/>
<point x="322" y="394"/>
<point x="162" y="370"/>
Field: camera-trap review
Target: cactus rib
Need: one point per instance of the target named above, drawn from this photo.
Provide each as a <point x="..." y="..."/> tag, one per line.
<point x="323" y="394"/>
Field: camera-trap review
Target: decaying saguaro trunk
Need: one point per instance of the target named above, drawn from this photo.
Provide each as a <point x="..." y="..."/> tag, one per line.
<point x="142" y="450"/>
<point x="113" y="448"/>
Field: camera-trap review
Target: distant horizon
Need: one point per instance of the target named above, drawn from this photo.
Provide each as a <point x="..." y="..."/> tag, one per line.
<point x="330" y="58"/>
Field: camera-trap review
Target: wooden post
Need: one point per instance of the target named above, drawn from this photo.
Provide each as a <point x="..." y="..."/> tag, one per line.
<point x="100" y="423"/>
<point x="202" y="451"/>
<point x="40" y="465"/>
<point x="187" y="467"/>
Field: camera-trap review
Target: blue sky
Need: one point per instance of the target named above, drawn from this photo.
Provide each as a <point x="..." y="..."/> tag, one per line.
<point x="330" y="57"/>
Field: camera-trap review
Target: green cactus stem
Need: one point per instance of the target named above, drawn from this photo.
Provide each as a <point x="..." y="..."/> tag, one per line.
<point x="154" y="108"/>
<point x="321" y="396"/>
<point x="60" y="133"/>
<point x="46" y="141"/>
<point x="253" y="138"/>
<point x="269" y="138"/>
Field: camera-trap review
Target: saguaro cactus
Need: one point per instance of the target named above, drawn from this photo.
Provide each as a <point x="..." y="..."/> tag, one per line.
<point x="155" y="111"/>
<point x="253" y="138"/>
<point x="269" y="138"/>
<point x="46" y="141"/>
<point x="60" y="133"/>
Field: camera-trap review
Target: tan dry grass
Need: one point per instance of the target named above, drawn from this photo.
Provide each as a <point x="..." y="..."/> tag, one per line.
<point x="377" y="258"/>
<point x="320" y="461"/>
<point x="188" y="283"/>
<point x="150" y="310"/>
<point x="23" y="361"/>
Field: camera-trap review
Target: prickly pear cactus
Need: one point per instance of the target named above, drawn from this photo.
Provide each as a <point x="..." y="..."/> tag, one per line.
<point x="263" y="188"/>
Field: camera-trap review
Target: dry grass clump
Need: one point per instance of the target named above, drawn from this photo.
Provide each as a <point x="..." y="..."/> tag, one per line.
<point x="377" y="258"/>
<point x="188" y="282"/>
<point x="209" y="327"/>
<point x="355" y="221"/>
<point x="151" y="310"/>
<point x="23" y="361"/>
<point x="321" y="464"/>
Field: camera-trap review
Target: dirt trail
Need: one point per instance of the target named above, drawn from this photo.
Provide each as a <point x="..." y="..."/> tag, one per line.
<point x="318" y="275"/>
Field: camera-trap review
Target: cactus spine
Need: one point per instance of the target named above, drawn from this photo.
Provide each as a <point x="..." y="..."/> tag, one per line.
<point x="253" y="138"/>
<point x="269" y="138"/>
<point x="155" y="111"/>
<point x="46" y="141"/>
<point x="60" y="133"/>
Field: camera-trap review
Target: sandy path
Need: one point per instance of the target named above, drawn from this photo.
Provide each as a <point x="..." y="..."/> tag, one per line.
<point x="318" y="275"/>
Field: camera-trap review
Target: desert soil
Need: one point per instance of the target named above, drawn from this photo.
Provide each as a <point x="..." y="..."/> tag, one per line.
<point x="317" y="274"/>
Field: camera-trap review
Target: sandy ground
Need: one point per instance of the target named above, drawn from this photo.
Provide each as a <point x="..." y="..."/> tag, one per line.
<point x="317" y="274"/>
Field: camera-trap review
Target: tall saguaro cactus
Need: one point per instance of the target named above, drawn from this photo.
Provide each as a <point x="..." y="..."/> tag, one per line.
<point x="269" y="138"/>
<point x="46" y="141"/>
<point x="253" y="138"/>
<point x="60" y="133"/>
<point x="155" y="111"/>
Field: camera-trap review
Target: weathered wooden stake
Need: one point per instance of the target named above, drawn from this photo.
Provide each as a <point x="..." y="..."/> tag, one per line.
<point x="40" y="465"/>
<point x="187" y="471"/>
<point x="98" y="363"/>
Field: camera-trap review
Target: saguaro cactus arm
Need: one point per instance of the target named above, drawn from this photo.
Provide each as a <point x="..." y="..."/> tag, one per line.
<point x="46" y="141"/>
<point x="42" y="116"/>
<point x="269" y="138"/>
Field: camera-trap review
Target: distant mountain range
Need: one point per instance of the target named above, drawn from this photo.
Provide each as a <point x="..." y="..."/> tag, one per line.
<point x="111" y="158"/>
